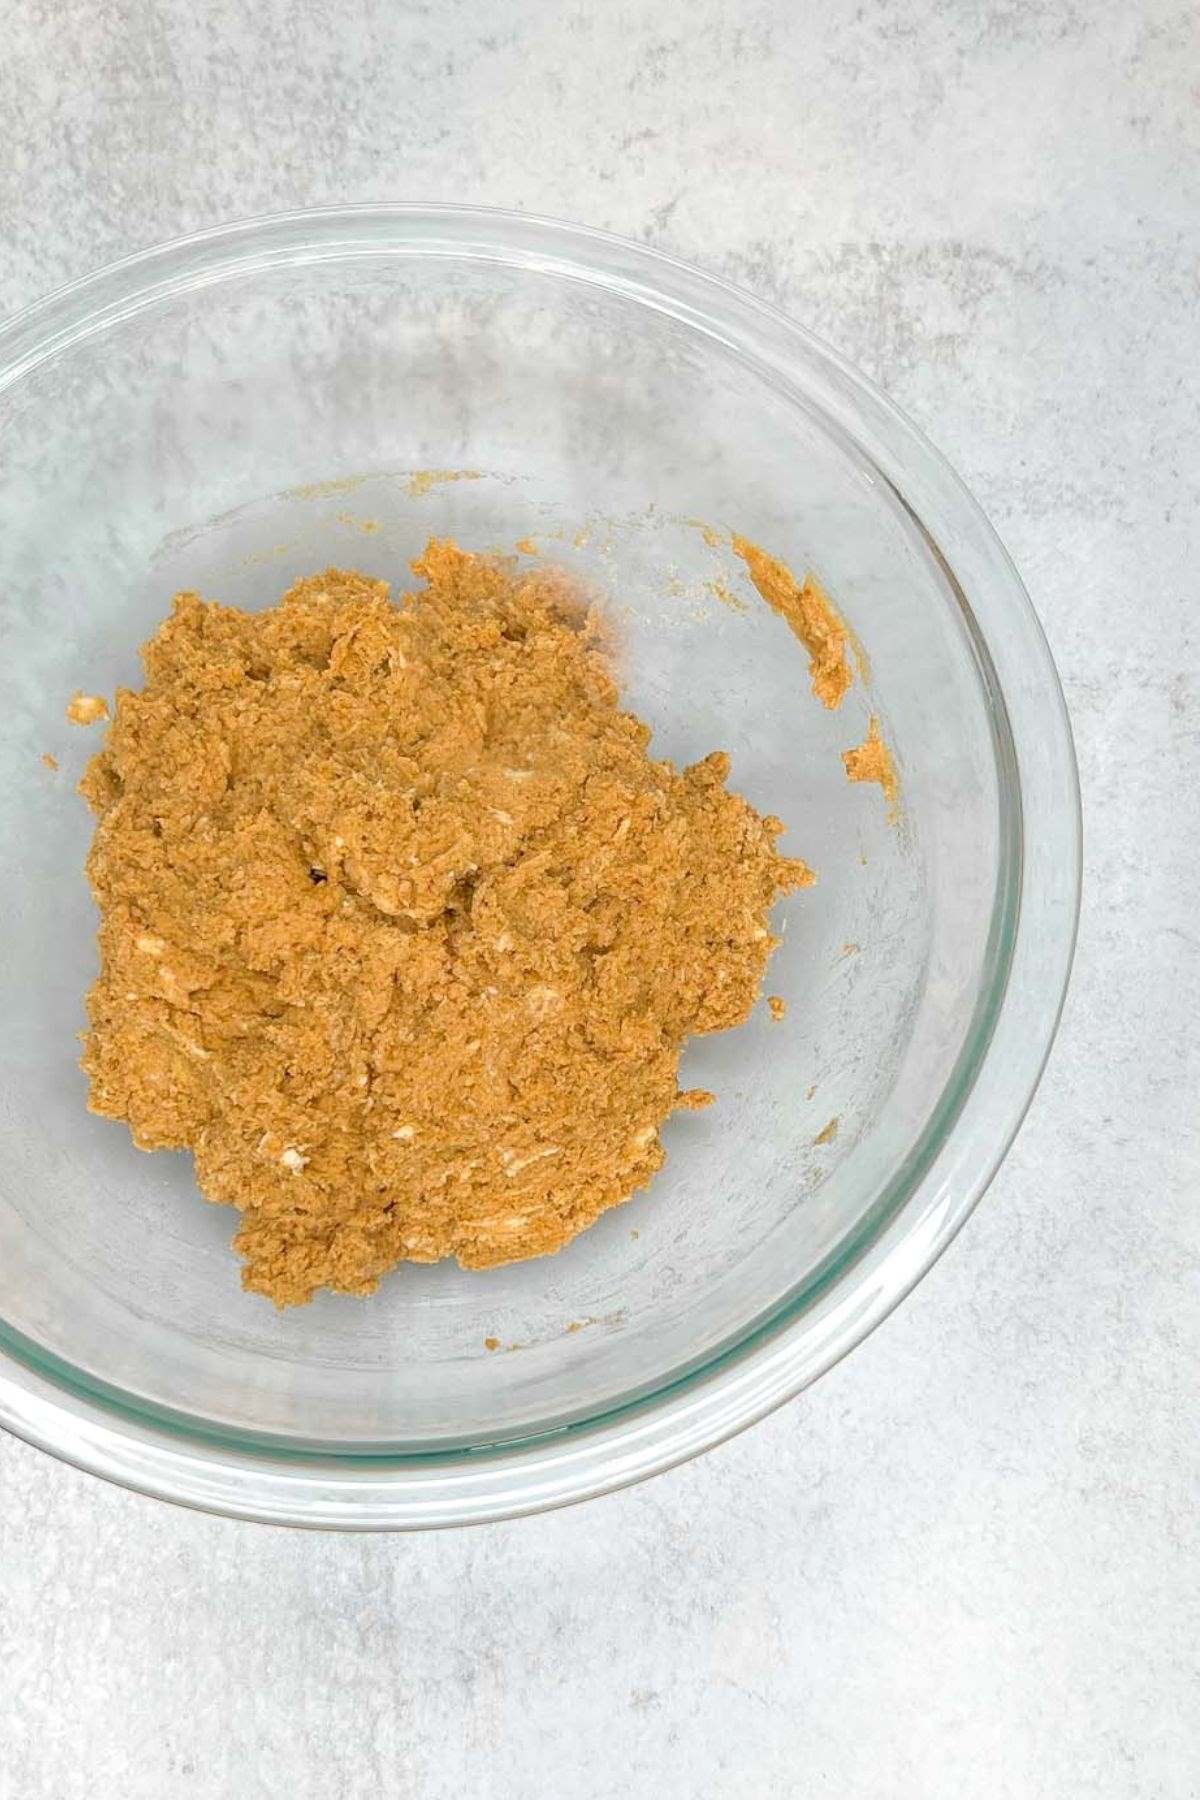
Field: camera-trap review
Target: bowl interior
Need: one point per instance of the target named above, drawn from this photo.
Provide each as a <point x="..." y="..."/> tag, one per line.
<point x="234" y="433"/>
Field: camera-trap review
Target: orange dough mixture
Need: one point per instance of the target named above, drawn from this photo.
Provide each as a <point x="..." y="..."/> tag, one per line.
<point x="403" y="930"/>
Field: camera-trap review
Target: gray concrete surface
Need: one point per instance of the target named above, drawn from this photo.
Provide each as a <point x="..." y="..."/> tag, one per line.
<point x="965" y="1565"/>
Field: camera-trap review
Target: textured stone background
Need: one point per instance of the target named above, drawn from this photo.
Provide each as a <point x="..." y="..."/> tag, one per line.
<point x="965" y="1565"/>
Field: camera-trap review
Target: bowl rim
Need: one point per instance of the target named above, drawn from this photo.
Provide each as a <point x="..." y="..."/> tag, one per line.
<point x="57" y="1408"/>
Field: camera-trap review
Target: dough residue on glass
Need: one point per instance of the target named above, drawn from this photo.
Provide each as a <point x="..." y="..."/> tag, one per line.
<point x="423" y="481"/>
<point x="872" y="761"/>
<point x="811" y="615"/>
<point x="87" y="709"/>
<point x="403" y="930"/>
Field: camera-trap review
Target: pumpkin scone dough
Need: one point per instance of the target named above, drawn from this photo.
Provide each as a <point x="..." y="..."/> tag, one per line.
<point x="402" y="928"/>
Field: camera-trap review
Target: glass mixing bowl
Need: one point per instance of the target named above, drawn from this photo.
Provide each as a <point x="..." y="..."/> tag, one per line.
<point x="254" y="403"/>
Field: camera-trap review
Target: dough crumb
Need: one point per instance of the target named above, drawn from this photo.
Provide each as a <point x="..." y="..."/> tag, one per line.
<point x="403" y="929"/>
<point x="491" y="1343"/>
<point x="325" y="490"/>
<point x="716" y="540"/>
<point x="720" y="590"/>
<point x="828" y="1132"/>
<point x="423" y="481"/>
<point x="810" y="613"/>
<point x="872" y="761"/>
<point x="50" y="760"/>
<point x="87" y="709"/>
<point x="778" y="1006"/>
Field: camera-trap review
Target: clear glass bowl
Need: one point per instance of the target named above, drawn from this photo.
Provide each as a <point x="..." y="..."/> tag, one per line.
<point x="250" y="404"/>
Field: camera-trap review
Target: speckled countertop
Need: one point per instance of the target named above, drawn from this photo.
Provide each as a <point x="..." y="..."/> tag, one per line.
<point x="965" y="1564"/>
